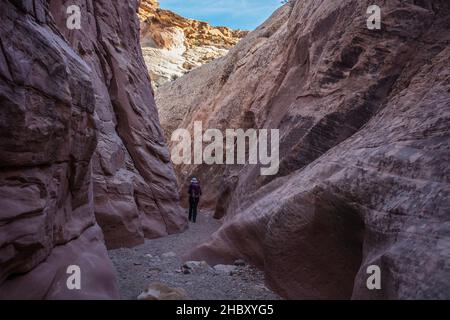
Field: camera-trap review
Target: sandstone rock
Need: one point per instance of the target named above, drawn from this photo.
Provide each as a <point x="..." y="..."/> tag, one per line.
<point x="226" y="269"/>
<point x="364" y="123"/>
<point x="61" y="109"/>
<point x="240" y="263"/>
<point x="160" y="291"/>
<point x="147" y="9"/>
<point x="47" y="139"/>
<point x="169" y="255"/>
<point x="195" y="266"/>
<point x="196" y="32"/>
<point x="221" y="95"/>
<point x="173" y="45"/>
<point x="185" y="271"/>
<point x="134" y="184"/>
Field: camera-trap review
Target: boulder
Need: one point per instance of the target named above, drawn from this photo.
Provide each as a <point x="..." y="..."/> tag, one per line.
<point x="194" y="266"/>
<point x="169" y="255"/>
<point x="160" y="291"/>
<point x="224" y="269"/>
<point x="240" y="263"/>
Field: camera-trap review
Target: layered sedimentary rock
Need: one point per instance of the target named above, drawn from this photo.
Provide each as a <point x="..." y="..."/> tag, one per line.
<point x="223" y="95"/>
<point x="80" y="144"/>
<point x="135" y="189"/>
<point x="173" y="45"/>
<point x="48" y="136"/>
<point x="364" y="119"/>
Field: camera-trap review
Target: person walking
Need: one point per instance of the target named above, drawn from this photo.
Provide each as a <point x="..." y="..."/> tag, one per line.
<point x="195" y="192"/>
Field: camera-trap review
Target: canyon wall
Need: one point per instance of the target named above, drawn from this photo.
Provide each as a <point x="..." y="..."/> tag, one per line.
<point x="173" y="45"/>
<point x="83" y="158"/>
<point x="364" y="120"/>
<point x="135" y="189"/>
<point x="47" y="140"/>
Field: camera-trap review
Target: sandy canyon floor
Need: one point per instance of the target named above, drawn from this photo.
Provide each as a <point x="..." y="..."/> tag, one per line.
<point x="160" y="261"/>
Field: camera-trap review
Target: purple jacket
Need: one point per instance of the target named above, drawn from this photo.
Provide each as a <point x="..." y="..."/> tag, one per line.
<point x="194" y="190"/>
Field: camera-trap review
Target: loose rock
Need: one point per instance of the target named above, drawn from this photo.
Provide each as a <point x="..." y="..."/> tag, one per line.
<point x="240" y="263"/>
<point x="169" y="255"/>
<point x="160" y="291"/>
<point x="226" y="269"/>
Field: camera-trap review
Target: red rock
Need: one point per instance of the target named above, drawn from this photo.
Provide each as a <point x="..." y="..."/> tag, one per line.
<point x="173" y="45"/>
<point x="47" y="139"/>
<point x="56" y="104"/>
<point x="135" y="189"/>
<point x="364" y="121"/>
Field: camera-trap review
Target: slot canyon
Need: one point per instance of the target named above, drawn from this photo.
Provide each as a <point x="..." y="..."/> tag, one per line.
<point x="87" y="179"/>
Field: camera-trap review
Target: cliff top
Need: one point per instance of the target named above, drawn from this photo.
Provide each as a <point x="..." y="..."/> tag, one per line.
<point x="197" y="33"/>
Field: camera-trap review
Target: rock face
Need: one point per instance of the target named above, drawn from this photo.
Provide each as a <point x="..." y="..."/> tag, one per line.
<point x="47" y="139"/>
<point x="173" y="45"/>
<point x="135" y="189"/>
<point x="80" y="144"/>
<point x="364" y="119"/>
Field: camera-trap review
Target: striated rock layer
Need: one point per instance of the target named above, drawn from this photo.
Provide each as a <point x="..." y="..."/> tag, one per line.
<point x="173" y="45"/>
<point x="364" y="119"/>
<point x="135" y="189"/>
<point x="80" y="144"/>
<point x="47" y="140"/>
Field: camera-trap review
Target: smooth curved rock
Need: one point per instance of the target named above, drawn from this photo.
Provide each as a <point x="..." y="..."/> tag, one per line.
<point x="364" y="121"/>
<point x="135" y="189"/>
<point x="56" y="104"/>
<point x="47" y="140"/>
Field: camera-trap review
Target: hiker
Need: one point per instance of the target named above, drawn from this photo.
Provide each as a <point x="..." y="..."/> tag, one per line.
<point x="195" y="193"/>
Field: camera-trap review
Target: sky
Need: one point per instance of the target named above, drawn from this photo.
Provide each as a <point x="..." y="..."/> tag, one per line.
<point x="235" y="14"/>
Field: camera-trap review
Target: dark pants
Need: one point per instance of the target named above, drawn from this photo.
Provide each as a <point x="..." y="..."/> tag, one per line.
<point x="193" y="204"/>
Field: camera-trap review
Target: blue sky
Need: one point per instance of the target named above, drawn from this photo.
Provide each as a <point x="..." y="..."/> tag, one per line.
<point x="236" y="14"/>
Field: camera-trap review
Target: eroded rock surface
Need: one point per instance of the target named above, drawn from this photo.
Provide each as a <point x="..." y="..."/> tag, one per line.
<point x="135" y="188"/>
<point x="47" y="140"/>
<point x="173" y="45"/>
<point x="80" y="144"/>
<point x="365" y="148"/>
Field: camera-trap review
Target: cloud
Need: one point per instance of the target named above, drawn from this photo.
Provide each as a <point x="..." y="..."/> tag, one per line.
<point x="238" y="14"/>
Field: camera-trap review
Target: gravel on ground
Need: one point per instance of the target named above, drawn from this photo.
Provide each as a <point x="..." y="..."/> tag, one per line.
<point x="160" y="261"/>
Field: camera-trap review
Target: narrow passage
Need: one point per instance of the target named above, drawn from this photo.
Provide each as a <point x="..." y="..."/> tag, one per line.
<point x="160" y="261"/>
